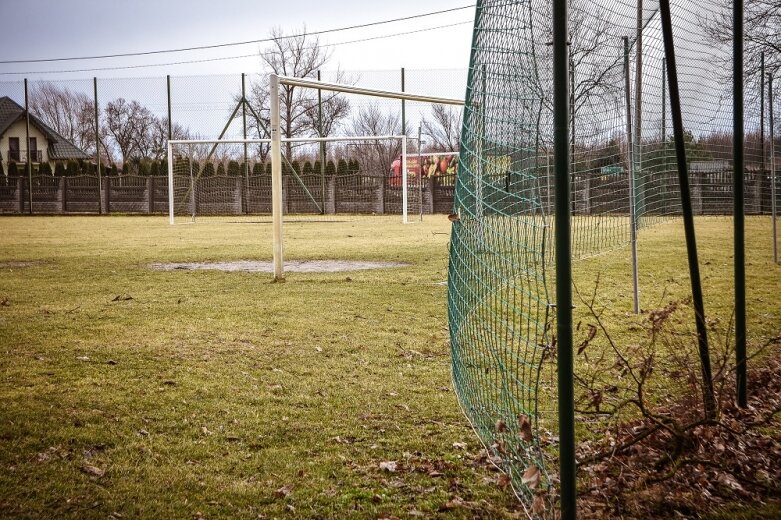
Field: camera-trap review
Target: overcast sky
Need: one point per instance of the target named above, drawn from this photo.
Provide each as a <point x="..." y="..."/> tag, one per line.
<point x="55" y="29"/>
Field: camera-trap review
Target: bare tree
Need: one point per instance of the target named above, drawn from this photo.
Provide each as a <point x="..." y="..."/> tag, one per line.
<point x="762" y="33"/>
<point x="299" y="56"/>
<point x="596" y="67"/>
<point x="377" y="156"/>
<point x="444" y="128"/>
<point x="124" y="121"/>
<point x="137" y="132"/>
<point x="157" y="137"/>
<point x="69" y="113"/>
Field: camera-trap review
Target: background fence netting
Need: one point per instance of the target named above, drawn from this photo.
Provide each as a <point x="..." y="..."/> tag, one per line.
<point x="361" y="177"/>
<point x="501" y="278"/>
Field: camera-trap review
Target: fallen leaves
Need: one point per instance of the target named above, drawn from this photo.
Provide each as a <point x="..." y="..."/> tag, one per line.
<point x="531" y="477"/>
<point x="389" y="466"/>
<point x="284" y="491"/>
<point x="525" y="428"/>
<point x="734" y="461"/>
<point x="92" y="471"/>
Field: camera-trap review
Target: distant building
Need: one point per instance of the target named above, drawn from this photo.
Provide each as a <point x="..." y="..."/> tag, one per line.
<point x="45" y="145"/>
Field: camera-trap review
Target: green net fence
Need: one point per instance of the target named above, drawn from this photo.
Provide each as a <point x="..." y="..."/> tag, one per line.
<point x="501" y="276"/>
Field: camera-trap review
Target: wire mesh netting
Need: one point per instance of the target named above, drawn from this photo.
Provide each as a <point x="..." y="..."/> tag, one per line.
<point x="225" y="179"/>
<point x="136" y="117"/>
<point x="623" y="175"/>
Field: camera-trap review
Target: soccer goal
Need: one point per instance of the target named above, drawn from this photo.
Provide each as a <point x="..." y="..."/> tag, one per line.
<point x="253" y="177"/>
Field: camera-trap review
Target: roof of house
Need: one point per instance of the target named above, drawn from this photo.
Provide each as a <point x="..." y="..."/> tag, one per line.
<point x="59" y="147"/>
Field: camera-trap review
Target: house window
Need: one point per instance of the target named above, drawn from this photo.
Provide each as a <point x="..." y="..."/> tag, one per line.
<point x="34" y="157"/>
<point x="13" y="149"/>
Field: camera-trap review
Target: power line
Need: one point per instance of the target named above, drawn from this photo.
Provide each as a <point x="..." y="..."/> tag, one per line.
<point x="225" y="58"/>
<point x="220" y="45"/>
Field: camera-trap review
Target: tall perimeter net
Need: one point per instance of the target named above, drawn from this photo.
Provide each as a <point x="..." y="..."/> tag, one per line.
<point x="623" y="179"/>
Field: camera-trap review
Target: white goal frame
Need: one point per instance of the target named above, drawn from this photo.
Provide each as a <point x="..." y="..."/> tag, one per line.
<point x="276" y="149"/>
<point x="276" y="145"/>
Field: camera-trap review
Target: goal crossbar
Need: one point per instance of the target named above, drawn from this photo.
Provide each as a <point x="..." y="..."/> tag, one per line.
<point x="352" y="89"/>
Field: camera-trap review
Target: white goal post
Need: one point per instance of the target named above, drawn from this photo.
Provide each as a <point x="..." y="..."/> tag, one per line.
<point x="276" y="145"/>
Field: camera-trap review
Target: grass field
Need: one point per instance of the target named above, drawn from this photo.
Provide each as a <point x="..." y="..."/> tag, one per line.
<point x="140" y="393"/>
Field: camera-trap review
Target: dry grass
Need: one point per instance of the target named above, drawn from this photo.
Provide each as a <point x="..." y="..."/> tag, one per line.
<point x="228" y="395"/>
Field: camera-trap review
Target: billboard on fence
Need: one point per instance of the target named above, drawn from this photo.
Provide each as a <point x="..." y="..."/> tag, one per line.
<point x="425" y="165"/>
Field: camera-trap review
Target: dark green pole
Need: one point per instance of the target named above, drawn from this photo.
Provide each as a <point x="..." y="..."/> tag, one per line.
<point x="709" y="400"/>
<point x="738" y="191"/>
<point x="773" y="208"/>
<point x="322" y="145"/>
<point x="762" y="116"/>
<point x="97" y="144"/>
<point x="566" y="391"/>
<point x="27" y="152"/>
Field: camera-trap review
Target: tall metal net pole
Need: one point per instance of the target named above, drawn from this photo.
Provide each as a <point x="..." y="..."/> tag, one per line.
<point x="27" y="140"/>
<point x="245" y="191"/>
<point x="709" y="399"/>
<point x="322" y="143"/>
<point x="638" y="133"/>
<point x="563" y="261"/>
<point x="739" y="203"/>
<point x="631" y="150"/>
<point x="97" y="145"/>
<point x="773" y="207"/>
<point x="762" y="114"/>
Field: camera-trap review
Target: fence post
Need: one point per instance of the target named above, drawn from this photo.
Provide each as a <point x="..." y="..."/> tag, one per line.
<point x="239" y="192"/>
<point x="63" y="189"/>
<point x="107" y="194"/>
<point x="331" y="188"/>
<point x="430" y="183"/>
<point x="150" y="194"/>
<point x="20" y="193"/>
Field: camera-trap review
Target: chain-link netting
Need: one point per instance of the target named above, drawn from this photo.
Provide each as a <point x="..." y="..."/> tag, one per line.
<point x="623" y="174"/>
<point x="137" y="116"/>
<point x="227" y="179"/>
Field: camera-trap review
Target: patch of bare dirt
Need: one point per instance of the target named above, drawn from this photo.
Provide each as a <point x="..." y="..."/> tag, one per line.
<point x="293" y="266"/>
<point x="16" y="264"/>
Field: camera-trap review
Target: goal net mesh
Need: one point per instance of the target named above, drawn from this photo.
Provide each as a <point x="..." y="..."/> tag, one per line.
<point x="358" y="178"/>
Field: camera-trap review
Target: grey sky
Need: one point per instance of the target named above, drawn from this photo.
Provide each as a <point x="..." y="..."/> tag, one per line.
<point x="89" y="27"/>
